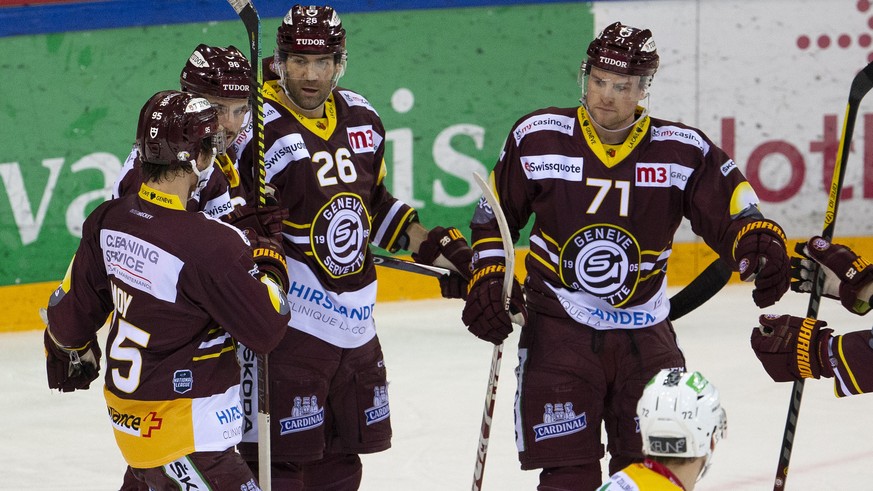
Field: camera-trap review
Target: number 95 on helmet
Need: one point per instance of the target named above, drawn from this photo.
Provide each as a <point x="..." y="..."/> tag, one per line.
<point x="681" y="416"/>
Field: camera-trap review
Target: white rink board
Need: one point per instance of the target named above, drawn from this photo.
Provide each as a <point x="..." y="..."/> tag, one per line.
<point x="438" y="373"/>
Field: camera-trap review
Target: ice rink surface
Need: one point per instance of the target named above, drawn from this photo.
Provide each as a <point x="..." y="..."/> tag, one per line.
<point x="438" y="375"/>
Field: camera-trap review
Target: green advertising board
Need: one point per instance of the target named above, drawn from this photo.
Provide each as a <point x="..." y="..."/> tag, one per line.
<point x="447" y="83"/>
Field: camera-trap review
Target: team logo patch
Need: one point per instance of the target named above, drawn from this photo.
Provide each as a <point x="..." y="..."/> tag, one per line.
<point x="603" y="260"/>
<point x="305" y="415"/>
<point x="339" y="235"/>
<point x="183" y="381"/>
<point x="559" y="420"/>
<point x="380" y="410"/>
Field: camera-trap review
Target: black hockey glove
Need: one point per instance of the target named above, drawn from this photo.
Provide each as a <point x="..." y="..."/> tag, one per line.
<point x="759" y="251"/>
<point x="447" y="247"/>
<point x="69" y="369"/>
<point x="848" y="276"/>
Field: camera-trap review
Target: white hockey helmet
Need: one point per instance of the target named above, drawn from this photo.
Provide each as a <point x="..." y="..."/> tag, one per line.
<point x="679" y="415"/>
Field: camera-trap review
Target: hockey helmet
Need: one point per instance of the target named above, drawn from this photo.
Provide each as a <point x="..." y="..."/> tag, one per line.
<point x="174" y="127"/>
<point x="679" y="413"/>
<point x="311" y="30"/>
<point x="623" y="49"/>
<point x="216" y="71"/>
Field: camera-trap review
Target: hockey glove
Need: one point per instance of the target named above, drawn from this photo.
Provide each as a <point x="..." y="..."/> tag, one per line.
<point x="759" y="251"/>
<point x="484" y="314"/>
<point x="792" y="348"/>
<point x="848" y="276"/>
<point x="447" y="247"/>
<point x="269" y="256"/>
<point x="265" y="221"/>
<point x="69" y="369"/>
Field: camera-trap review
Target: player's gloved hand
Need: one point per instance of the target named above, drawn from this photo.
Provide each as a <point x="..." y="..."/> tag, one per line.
<point x="848" y="276"/>
<point x="269" y="255"/>
<point x="266" y="220"/>
<point x="447" y="247"/>
<point x="484" y="314"/>
<point x="69" y="369"/>
<point x="759" y="250"/>
<point x="792" y="348"/>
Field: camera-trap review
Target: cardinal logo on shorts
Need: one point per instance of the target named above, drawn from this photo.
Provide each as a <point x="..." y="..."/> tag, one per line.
<point x="305" y="415"/>
<point x="380" y="410"/>
<point x="559" y="420"/>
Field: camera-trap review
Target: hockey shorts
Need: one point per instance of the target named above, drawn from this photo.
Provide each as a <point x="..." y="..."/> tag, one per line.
<point x="325" y="399"/>
<point x="572" y="377"/>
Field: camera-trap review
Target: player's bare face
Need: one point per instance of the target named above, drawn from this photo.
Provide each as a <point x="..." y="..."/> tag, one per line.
<point x="308" y="81"/>
<point x="612" y="98"/>
<point x="231" y="115"/>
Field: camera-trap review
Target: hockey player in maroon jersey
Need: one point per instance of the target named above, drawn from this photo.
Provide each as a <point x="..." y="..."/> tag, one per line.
<point x="324" y="148"/>
<point x="180" y="287"/>
<point x="222" y="76"/>
<point x="681" y="421"/>
<point x="793" y="348"/>
<point x="608" y="186"/>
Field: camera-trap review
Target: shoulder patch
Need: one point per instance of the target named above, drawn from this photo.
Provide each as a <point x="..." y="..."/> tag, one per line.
<point x="541" y="122"/>
<point x="681" y="135"/>
<point x="355" y="99"/>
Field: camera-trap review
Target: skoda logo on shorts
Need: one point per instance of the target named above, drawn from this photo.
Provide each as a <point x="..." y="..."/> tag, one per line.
<point x="603" y="260"/>
<point x="339" y="235"/>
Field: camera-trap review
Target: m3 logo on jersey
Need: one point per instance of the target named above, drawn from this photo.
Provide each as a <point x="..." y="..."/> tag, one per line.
<point x="650" y="175"/>
<point x="603" y="260"/>
<point x="362" y="139"/>
<point x="559" y="420"/>
<point x="339" y="235"/>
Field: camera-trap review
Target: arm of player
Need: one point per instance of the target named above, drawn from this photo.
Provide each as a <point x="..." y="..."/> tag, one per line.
<point x="793" y="348"/>
<point x="848" y="276"/>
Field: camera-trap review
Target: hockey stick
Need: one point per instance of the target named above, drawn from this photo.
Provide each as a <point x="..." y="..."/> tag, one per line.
<point x="497" y="355"/>
<point x="409" y="266"/>
<point x="861" y="84"/>
<point x="701" y="289"/>
<point x="249" y="16"/>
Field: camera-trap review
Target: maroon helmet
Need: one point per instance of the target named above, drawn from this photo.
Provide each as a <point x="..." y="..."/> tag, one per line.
<point x="174" y="127"/>
<point x="219" y="72"/>
<point x="311" y="30"/>
<point x="624" y="49"/>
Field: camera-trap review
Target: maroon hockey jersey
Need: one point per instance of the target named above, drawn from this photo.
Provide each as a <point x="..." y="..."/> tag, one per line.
<point x="330" y="174"/>
<point x="605" y="216"/>
<point x="180" y="287"/>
